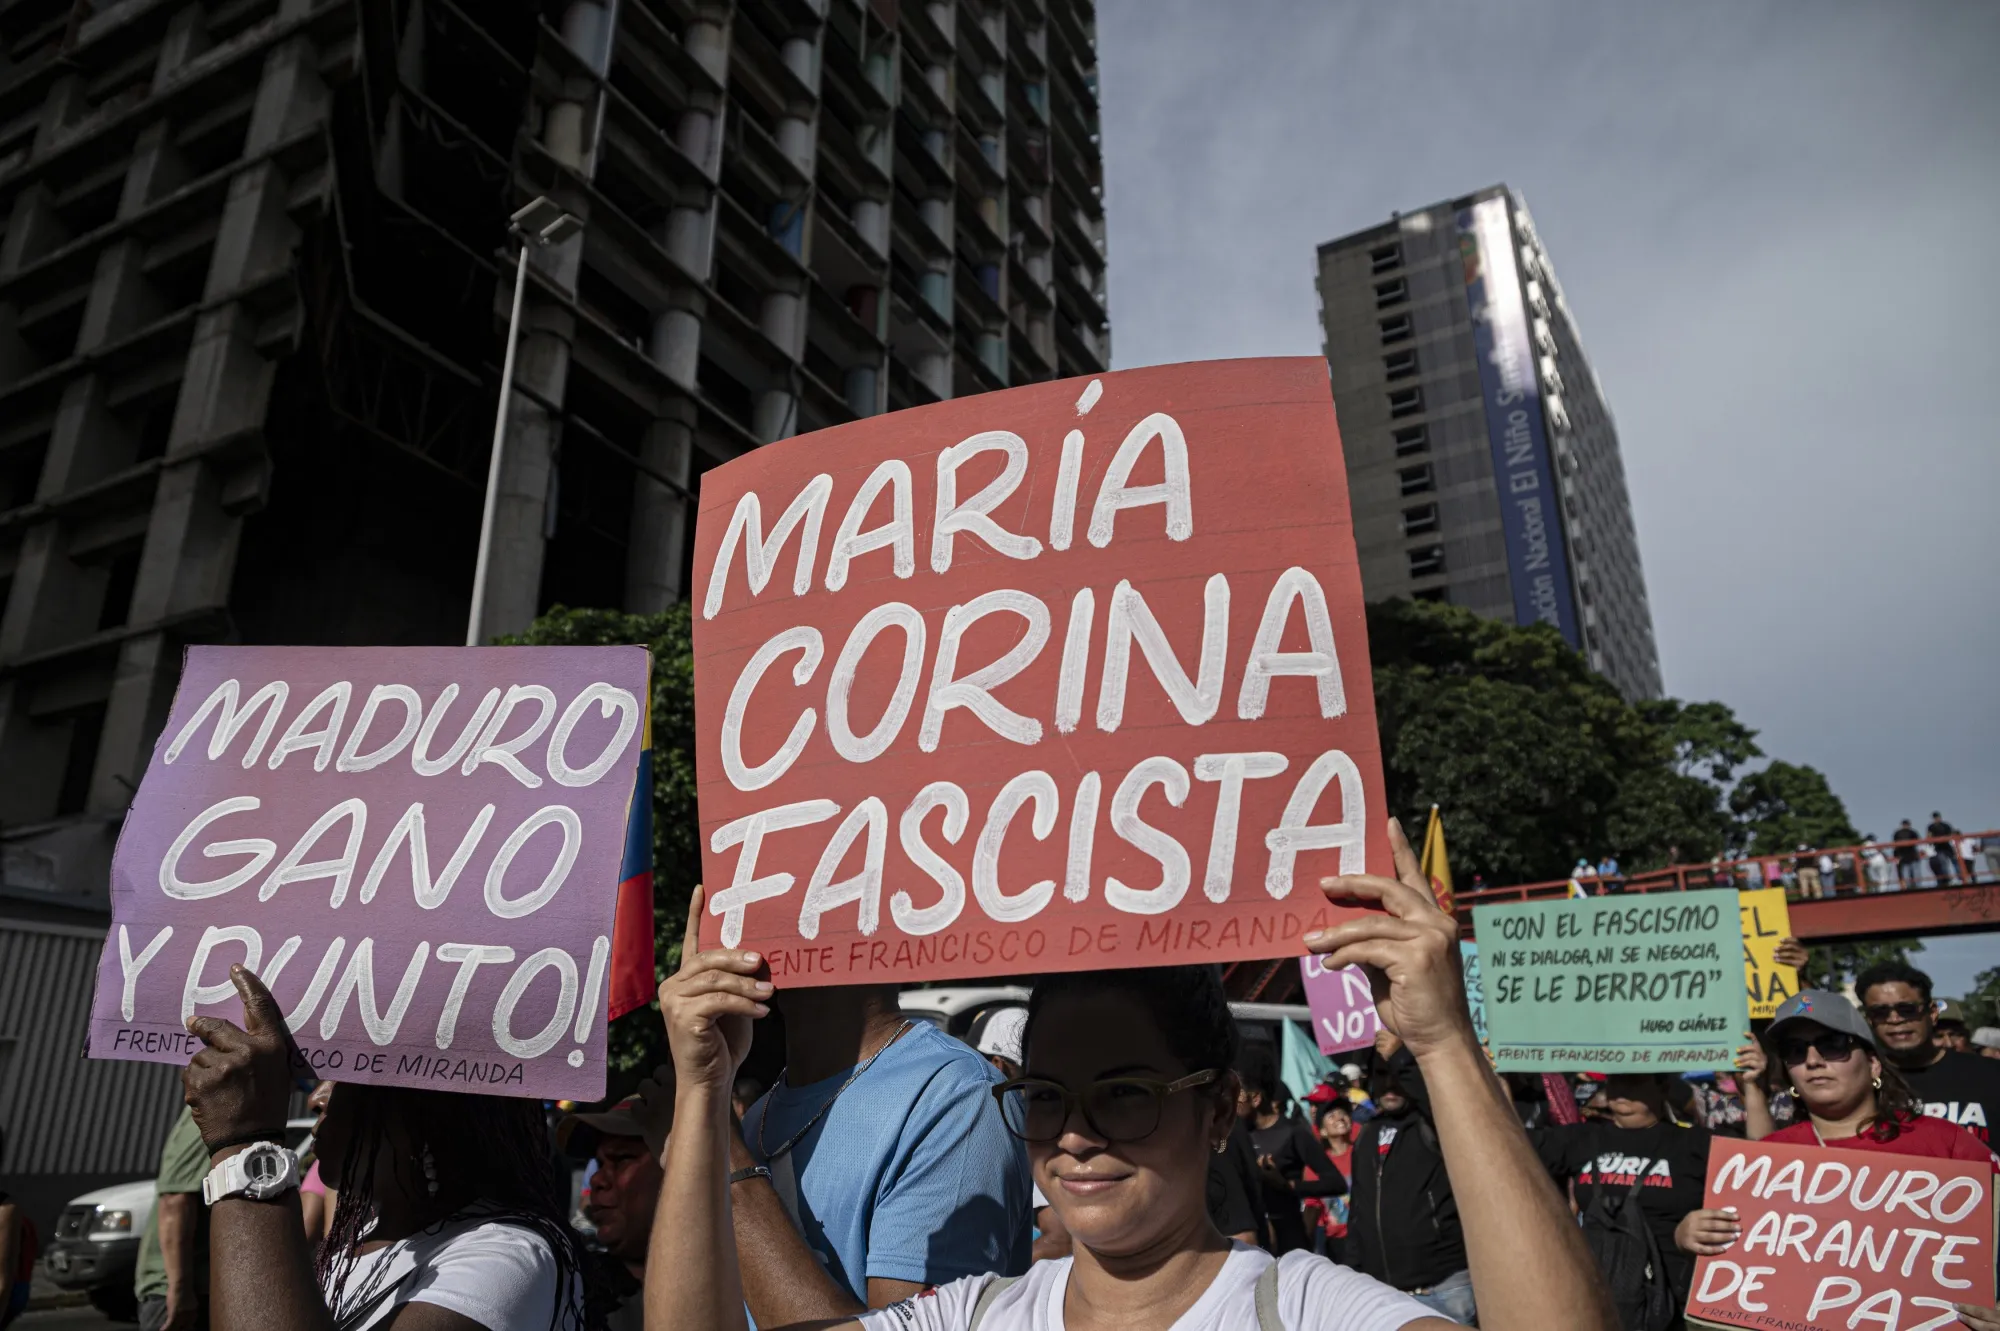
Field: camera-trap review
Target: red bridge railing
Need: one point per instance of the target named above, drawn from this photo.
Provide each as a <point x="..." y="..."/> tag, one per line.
<point x="1825" y="873"/>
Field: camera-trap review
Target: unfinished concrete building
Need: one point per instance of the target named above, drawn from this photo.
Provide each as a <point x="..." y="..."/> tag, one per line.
<point x="254" y="286"/>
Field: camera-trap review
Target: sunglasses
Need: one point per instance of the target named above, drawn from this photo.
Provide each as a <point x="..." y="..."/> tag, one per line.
<point x="1833" y="1046"/>
<point x="1883" y="1012"/>
<point x="1118" y="1109"/>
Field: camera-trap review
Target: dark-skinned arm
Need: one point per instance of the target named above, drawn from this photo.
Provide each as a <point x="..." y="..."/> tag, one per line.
<point x="1530" y="1267"/>
<point x="10" y="1248"/>
<point x="260" y="1264"/>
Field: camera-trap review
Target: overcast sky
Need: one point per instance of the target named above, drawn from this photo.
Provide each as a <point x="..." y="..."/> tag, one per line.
<point x="1778" y="226"/>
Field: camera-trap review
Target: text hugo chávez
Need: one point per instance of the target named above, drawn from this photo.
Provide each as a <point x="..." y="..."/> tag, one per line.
<point x="482" y="740"/>
<point x="1129" y="623"/>
<point x="1907" y="1200"/>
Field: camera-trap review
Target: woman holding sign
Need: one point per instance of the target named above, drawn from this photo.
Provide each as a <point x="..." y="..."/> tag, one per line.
<point x="1853" y="1100"/>
<point x="447" y="1218"/>
<point x="1127" y="1092"/>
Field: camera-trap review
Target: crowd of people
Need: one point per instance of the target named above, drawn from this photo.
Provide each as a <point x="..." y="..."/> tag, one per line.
<point x="1113" y="1154"/>
<point x="1938" y="856"/>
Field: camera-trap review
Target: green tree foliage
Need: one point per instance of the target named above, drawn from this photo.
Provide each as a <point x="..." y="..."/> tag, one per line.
<point x="1536" y="761"/>
<point x="1834" y="965"/>
<point x="1982" y="1004"/>
<point x="1786" y="806"/>
<point x="636" y="1039"/>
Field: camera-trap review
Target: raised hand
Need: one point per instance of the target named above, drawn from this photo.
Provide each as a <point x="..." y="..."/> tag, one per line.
<point x="240" y="1084"/>
<point x="708" y="1005"/>
<point x="1410" y="954"/>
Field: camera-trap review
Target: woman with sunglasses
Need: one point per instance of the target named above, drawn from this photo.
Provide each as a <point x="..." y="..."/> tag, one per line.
<point x="1127" y="1092"/>
<point x="1851" y="1099"/>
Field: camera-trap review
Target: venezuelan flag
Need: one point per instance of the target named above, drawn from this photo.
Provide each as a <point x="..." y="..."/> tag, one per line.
<point x="631" y="982"/>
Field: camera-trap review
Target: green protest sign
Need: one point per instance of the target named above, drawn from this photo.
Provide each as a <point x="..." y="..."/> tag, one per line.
<point x="1614" y="984"/>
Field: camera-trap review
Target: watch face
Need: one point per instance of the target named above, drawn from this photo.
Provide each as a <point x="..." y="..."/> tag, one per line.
<point x="267" y="1169"/>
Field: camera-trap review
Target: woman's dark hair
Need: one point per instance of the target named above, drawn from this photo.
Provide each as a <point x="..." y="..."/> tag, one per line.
<point x="1896" y="1105"/>
<point x="1187" y="1004"/>
<point x="487" y="1149"/>
<point x="1257" y="1065"/>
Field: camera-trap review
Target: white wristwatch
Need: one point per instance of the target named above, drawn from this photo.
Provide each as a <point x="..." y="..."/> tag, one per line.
<point x="263" y="1171"/>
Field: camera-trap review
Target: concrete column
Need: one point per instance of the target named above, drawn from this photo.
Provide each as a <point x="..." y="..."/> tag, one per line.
<point x="658" y="537"/>
<point x="189" y="558"/>
<point x="707" y="40"/>
<point x="934" y="372"/>
<point x="675" y="343"/>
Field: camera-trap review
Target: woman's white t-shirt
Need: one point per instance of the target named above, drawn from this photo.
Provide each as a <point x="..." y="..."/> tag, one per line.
<point x="501" y="1276"/>
<point x="1313" y="1295"/>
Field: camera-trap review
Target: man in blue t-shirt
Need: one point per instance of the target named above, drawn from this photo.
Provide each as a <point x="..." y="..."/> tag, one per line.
<point x="890" y="1168"/>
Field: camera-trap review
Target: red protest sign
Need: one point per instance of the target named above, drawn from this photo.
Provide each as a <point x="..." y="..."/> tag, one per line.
<point x="1066" y="676"/>
<point x="1837" y="1239"/>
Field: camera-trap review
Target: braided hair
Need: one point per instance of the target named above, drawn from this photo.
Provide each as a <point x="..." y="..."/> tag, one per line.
<point x="488" y="1149"/>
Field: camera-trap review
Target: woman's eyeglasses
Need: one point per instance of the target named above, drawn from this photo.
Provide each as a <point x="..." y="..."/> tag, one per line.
<point x="1881" y="1012"/>
<point x="1833" y="1046"/>
<point x="1118" y="1109"/>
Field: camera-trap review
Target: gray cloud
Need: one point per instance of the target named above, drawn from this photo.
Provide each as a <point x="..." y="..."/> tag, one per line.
<point x="1774" y="223"/>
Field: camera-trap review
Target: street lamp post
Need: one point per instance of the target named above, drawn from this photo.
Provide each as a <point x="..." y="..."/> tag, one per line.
<point x="540" y="224"/>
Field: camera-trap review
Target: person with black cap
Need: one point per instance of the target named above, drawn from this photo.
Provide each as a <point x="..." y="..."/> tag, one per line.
<point x="626" y="1143"/>
<point x="1853" y="1099"/>
<point x="1403" y="1224"/>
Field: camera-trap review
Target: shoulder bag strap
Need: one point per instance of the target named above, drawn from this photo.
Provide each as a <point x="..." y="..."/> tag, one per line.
<point x="993" y="1290"/>
<point x="1267" y="1299"/>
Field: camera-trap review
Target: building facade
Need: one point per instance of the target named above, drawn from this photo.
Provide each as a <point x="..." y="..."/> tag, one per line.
<point x="255" y="281"/>
<point x="1482" y="461"/>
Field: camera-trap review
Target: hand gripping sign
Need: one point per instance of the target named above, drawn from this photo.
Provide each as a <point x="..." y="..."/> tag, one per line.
<point x="1066" y="676"/>
<point x="1841" y="1239"/>
<point x="417" y="849"/>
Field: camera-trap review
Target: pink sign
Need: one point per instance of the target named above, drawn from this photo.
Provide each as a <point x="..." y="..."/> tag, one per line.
<point x="417" y="849"/>
<point x="1343" y="1006"/>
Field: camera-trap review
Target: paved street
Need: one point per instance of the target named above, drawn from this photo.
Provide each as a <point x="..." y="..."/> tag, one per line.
<point x="85" y="1318"/>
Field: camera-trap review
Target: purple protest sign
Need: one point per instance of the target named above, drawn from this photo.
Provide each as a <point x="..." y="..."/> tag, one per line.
<point x="417" y="849"/>
<point x="1343" y="1007"/>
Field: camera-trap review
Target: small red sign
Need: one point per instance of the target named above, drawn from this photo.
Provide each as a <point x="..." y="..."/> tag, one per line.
<point x="1840" y="1239"/>
<point x="1067" y="676"/>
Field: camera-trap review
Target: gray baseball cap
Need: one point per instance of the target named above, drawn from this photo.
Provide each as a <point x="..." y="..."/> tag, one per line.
<point x="1823" y="1007"/>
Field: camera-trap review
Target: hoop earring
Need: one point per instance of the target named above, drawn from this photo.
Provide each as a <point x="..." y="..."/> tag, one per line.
<point x="1878" y="1083"/>
<point x="1794" y="1090"/>
<point x="1219" y="1146"/>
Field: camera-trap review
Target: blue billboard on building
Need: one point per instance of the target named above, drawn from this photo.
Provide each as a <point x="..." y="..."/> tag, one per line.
<point x="1523" y="470"/>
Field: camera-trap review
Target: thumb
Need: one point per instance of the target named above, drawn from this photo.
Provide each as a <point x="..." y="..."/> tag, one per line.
<point x="260" y="1010"/>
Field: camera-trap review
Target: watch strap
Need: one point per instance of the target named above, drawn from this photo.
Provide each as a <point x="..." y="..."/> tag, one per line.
<point x="749" y="1172"/>
<point x="233" y="1177"/>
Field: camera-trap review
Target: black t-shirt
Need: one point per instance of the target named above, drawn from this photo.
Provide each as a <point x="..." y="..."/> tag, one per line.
<point x="1604" y="1156"/>
<point x="1963" y="1089"/>
<point x="1942" y="831"/>
<point x="1235" y="1203"/>
<point x="1906" y="843"/>
<point x="1293" y="1149"/>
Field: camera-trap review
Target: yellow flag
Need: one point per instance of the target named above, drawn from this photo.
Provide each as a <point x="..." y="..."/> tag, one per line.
<point x="1435" y="866"/>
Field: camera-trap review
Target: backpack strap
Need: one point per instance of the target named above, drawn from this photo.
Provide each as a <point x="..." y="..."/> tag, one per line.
<point x="994" y="1288"/>
<point x="1267" y="1299"/>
